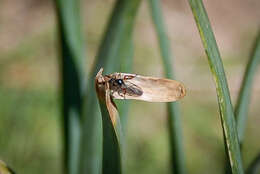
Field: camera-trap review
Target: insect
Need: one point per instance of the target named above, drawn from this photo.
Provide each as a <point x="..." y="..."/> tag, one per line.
<point x="120" y="83"/>
<point x="138" y="87"/>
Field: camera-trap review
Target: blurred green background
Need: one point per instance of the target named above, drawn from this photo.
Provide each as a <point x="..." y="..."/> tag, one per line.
<point x="30" y="100"/>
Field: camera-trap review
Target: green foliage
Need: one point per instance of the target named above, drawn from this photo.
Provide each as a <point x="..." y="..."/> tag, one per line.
<point x="72" y="61"/>
<point x="254" y="167"/>
<point x="112" y="143"/>
<point x="112" y="131"/>
<point x="92" y="144"/>
<point x="116" y="42"/>
<point x="217" y="69"/>
<point x="241" y="109"/>
<point x="4" y="169"/>
<point x="174" y="123"/>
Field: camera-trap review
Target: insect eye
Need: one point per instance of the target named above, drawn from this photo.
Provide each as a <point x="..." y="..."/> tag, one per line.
<point x="120" y="82"/>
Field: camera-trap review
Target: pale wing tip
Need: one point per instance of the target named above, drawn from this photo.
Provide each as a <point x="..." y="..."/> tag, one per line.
<point x="182" y="91"/>
<point x="175" y="94"/>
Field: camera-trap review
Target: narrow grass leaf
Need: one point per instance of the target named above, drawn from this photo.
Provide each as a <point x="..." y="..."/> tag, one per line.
<point x="112" y="138"/>
<point x="72" y="61"/>
<point x="126" y="53"/>
<point x="119" y="29"/>
<point x="4" y="169"/>
<point x="241" y="109"/>
<point x="217" y="69"/>
<point x="174" y="122"/>
<point x="243" y="101"/>
<point x="254" y="167"/>
<point x="113" y="45"/>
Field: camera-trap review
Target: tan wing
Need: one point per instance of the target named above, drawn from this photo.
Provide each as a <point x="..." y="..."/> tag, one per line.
<point x="154" y="89"/>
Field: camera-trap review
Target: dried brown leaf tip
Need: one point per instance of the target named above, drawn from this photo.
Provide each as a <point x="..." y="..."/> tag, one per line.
<point x="103" y="92"/>
<point x="152" y="89"/>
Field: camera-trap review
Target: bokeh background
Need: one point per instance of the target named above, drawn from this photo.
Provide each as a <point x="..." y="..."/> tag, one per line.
<point x="30" y="100"/>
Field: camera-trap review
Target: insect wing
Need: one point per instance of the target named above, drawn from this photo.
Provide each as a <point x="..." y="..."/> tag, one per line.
<point x="153" y="89"/>
<point x="132" y="89"/>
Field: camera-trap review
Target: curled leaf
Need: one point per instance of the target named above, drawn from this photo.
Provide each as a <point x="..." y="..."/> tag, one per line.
<point x="103" y="92"/>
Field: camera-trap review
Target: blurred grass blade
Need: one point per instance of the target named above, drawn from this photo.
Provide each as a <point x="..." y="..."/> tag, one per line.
<point x="72" y="61"/>
<point x="126" y="63"/>
<point x="217" y="69"/>
<point x="177" y="154"/>
<point x="112" y="157"/>
<point x="4" y="169"/>
<point x="254" y="167"/>
<point x="241" y="109"/>
<point x="116" y="39"/>
<point x="114" y="44"/>
<point x="125" y="55"/>
<point x="112" y="145"/>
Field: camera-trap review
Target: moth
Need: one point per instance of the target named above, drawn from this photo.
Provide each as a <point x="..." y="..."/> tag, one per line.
<point x="138" y="87"/>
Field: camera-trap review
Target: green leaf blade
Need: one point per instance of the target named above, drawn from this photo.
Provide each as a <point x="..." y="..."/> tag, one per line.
<point x="72" y="61"/>
<point x="112" y="145"/>
<point x="217" y="69"/>
<point x="241" y="109"/>
<point x="174" y="122"/>
<point x="117" y="37"/>
<point x="254" y="167"/>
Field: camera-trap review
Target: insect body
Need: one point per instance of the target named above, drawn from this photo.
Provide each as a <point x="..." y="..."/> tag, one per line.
<point x="120" y="84"/>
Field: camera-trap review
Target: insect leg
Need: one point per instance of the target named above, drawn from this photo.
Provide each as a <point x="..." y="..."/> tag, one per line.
<point x="124" y="93"/>
<point x="127" y="77"/>
<point x="120" y="93"/>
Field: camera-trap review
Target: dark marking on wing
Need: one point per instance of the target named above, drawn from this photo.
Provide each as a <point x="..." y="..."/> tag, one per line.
<point x="133" y="90"/>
